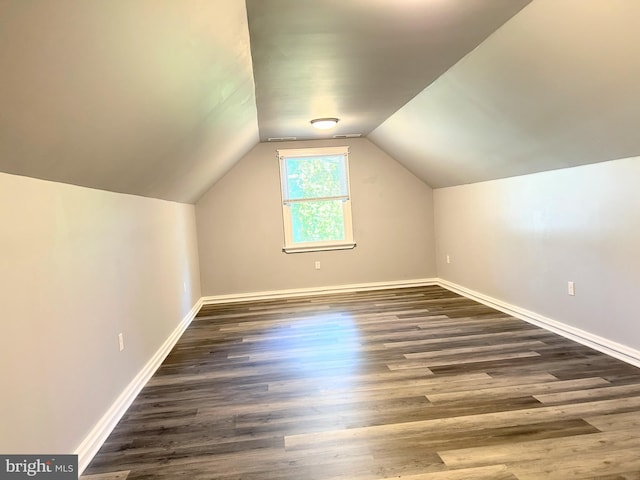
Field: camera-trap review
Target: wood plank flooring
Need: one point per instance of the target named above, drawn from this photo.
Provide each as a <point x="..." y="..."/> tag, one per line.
<point x="415" y="383"/>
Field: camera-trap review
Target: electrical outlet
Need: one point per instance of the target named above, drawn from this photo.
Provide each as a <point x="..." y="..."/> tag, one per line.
<point x="448" y="258"/>
<point x="121" y="341"/>
<point x="317" y="265"/>
<point x="184" y="286"/>
<point x="571" y="288"/>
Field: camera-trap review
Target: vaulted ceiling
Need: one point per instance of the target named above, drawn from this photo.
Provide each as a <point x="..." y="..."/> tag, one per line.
<point x="149" y="97"/>
<point x="161" y="97"/>
<point x="556" y="86"/>
<point x="359" y="60"/>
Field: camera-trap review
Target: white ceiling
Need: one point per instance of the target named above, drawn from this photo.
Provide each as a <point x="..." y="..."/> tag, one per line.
<point x="557" y="86"/>
<point x="150" y="97"/>
<point x="157" y="97"/>
<point x="359" y="60"/>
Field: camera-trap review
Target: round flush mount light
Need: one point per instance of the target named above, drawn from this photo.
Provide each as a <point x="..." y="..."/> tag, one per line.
<point x="324" y="123"/>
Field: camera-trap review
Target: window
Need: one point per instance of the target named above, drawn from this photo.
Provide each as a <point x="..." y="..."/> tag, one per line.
<point x="316" y="203"/>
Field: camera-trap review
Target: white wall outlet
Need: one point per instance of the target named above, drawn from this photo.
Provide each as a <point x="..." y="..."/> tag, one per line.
<point x="317" y="264"/>
<point x="571" y="288"/>
<point x="184" y="286"/>
<point x="121" y="341"/>
<point x="448" y="258"/>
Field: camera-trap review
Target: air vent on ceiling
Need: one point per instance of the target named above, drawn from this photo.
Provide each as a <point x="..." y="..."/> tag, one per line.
<point x="348" y="135"/>
<point x="281" y="139"/>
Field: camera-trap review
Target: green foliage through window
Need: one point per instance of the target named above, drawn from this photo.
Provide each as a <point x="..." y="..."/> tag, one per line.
<point x="317" y="221"/>
<point x="315" y="177"/>
<point x="315" y="195"/>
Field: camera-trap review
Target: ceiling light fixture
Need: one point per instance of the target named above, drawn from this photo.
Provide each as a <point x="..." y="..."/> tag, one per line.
<point x="324" y="123"/>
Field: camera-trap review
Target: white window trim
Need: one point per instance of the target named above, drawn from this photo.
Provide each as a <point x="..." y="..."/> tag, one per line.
<point x="289" y="245"/>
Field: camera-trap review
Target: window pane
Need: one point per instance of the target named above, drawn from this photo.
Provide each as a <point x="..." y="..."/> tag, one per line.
<point x="317" y="221"/>
<point x="314" y="177"/>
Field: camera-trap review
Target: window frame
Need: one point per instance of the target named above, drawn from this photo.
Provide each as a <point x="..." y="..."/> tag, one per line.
<point x="299" y="247"/>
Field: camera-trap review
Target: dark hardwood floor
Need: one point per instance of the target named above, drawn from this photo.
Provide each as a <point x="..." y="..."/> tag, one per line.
<point x="414" y="383"/>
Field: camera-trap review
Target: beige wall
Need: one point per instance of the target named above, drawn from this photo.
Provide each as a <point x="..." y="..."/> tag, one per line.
<point x="522" y="239"/>
<point x="78" y="266"/>
<point x="240" y="226"/>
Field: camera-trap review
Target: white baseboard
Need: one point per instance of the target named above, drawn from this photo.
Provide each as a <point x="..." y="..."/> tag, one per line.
<point x="299" y="292"/>
<point x="601" y="344"/>
<point x="97" y="436"/>
<point x="94" y="440"/>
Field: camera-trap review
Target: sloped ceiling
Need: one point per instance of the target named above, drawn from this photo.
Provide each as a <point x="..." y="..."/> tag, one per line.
<point x="157" y="97"/>
<point x="556" y="86"/>
<point x="150" y="97"/>
<point x="359" y="60"/>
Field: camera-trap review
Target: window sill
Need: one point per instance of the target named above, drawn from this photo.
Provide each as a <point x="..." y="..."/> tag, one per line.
<point x="320" y="248"/>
